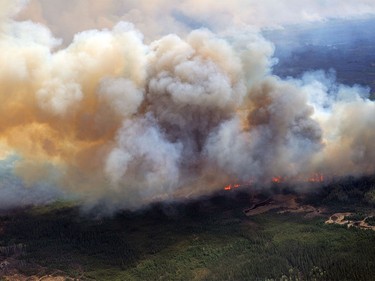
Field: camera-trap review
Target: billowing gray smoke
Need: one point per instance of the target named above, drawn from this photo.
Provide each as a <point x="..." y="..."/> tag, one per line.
<point x="112" y="119"/>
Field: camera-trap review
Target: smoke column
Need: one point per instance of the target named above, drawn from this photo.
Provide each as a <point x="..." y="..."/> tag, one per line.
<point x="111" y="119"/>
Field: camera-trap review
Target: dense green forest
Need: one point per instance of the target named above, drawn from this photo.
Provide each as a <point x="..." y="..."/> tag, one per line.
<point x="208" y="239"/>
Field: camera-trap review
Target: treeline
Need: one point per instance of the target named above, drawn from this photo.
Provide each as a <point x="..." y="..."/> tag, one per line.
<point x="348" y="191"/>
<point x="210" y="239"/>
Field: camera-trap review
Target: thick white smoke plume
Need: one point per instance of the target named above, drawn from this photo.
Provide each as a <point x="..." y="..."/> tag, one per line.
<point x="110" y="118"/>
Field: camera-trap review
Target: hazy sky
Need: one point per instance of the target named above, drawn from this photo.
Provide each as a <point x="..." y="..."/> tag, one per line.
<point x="160" y="17"/>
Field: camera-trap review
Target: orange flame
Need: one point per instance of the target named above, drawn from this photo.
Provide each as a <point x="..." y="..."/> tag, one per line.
<point x="228" y="187"/>
<point x="231" y="186"/>
<point x="315" y="178"/>
<point x="277" y="179"/>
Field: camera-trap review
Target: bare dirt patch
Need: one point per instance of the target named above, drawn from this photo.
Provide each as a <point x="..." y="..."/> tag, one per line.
<point x="287" y="203"/>
<point x="340" y="219"/>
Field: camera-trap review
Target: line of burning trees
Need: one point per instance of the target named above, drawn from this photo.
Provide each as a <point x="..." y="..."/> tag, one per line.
<point x="315" y="178"/>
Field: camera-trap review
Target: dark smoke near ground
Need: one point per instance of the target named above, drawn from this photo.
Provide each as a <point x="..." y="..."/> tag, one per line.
<point x="114" y="120"/>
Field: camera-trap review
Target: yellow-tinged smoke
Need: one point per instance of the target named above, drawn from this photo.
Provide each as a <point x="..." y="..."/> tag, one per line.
<point x="119" y="121"/>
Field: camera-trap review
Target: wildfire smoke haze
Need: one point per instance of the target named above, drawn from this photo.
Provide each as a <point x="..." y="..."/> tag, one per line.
<point x="122" y="120"/>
